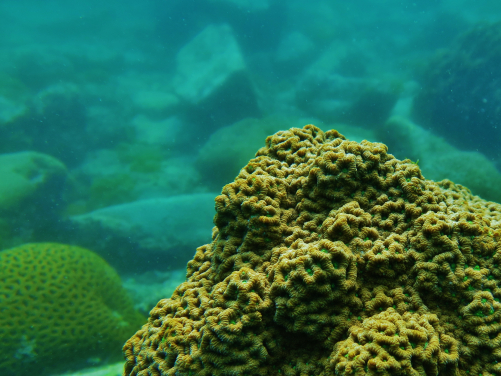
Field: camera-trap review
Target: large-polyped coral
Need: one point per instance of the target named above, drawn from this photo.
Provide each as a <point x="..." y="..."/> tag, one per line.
<point x="331" y="257"/>
<point x="60" y="306"/>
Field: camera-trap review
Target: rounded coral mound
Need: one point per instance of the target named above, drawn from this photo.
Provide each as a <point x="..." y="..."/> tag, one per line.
<point x="60" y="305"/>
<point x="331" y="257"/>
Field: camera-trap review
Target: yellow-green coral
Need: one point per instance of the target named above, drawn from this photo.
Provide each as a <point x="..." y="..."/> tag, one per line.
<point x="60" y="305"/>
<point x="332" y="257"/>
<point x="389" y="343"/>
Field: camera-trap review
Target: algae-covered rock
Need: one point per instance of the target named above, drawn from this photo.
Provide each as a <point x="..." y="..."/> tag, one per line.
<point x="130" y="172"/>
<point x="29" y="178"/>
<point x="31" y="190"/>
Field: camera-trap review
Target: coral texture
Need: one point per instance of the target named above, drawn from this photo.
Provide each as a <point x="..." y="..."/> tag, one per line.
<point x="60" y="305"/>
<point x="331" y="257"/>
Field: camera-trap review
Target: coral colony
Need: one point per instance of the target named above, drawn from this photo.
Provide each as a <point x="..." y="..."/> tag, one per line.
<point x="332" y="257"/>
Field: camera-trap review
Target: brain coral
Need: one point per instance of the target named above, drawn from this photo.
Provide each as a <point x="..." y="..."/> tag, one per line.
<point x="59" y="305"/>
<point x="331" y="257"/>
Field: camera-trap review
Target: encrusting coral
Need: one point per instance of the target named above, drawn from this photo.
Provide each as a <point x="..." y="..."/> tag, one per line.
<point x="60" y="306"/>
<point x="331" y="257"/>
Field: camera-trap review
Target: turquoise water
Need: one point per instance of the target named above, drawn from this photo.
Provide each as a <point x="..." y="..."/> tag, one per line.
<point x="120" y="121"/>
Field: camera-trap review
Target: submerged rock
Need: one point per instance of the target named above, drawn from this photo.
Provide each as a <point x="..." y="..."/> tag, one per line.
<point x="144" y="233"/>
<point x="207" y="62"/>
<point x="31" y="190"/>
<point x="460" y="97"/>
<point x="29" y="178"/>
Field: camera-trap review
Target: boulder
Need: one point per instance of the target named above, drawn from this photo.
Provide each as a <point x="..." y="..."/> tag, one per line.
<point x="166" y="132"/>
<point x="213" y="82"/>
<point x="29" y="178"/>
<point x="31" y="189"/>
<point x="144" y="233"/>
<point x="459" y="95"/>
<point x="207" y="62"/>
<point x="337" y="87"/>
<point x="228" y="148"/>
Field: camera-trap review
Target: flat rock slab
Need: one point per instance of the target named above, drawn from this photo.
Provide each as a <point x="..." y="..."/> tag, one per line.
<point x="144" y="233"/>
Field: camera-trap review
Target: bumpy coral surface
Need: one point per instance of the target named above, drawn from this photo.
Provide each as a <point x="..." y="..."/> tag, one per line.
<point x="331" y="257"/>
<point x="60" y="305"/>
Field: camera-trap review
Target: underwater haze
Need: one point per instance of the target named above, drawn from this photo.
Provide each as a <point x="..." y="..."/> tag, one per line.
<point x="121" y="121"/>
